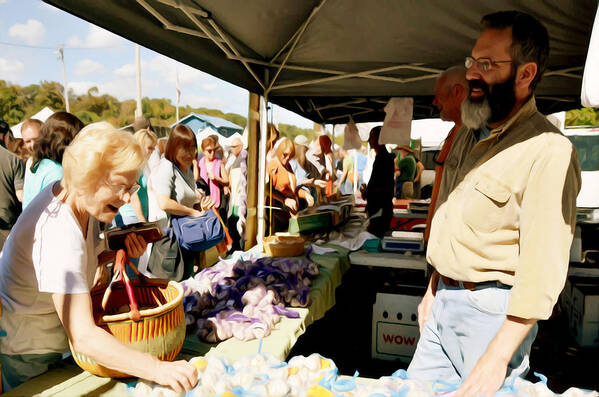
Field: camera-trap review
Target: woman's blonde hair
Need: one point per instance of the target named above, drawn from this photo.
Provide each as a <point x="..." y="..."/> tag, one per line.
<point x="96" y="151"/>
<point x="283" y="145"/>
<point x="145" y="137"/>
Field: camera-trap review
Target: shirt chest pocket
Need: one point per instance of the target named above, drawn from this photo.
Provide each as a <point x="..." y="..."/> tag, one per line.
<point x="484" y="204"/>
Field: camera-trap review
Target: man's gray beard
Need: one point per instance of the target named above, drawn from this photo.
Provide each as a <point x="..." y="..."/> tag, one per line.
<point x="475" y="114"/>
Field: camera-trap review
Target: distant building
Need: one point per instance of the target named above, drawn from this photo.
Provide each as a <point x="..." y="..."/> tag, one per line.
<point x="199" y="122"/>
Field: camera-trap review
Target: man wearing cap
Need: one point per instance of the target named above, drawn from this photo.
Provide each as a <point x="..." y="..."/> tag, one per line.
<point x="500" y="243"/>
<point x="142" y="123"/>
<point x="12" y="174"/>
<point x="405" y="171"/>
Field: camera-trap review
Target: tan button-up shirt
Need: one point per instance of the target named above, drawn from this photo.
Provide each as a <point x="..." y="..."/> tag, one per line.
<point x="462" y="145"/>
<point x="512" y="214"/>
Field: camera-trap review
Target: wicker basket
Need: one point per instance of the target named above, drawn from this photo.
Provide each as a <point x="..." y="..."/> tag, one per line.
<point x="284" y="245"/>
<point x="159" y="331"/>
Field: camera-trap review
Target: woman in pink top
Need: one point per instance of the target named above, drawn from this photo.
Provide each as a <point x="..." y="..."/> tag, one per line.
<point x="212" y="171"/>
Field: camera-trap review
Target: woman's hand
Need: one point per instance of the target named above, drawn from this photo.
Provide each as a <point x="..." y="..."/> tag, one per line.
<point x="102" y="276"/>
<point x="309" y="200"/>
<point x="320" y="183"/>
<point x="135" y="245"/>
<point x="180" y="375"/>
<point x="291" y="203"/>
<point x="206" y="203"/>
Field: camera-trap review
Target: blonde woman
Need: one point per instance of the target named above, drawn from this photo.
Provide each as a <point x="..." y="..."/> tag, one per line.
<point x="49" y="261"/>
<point x="284" y="181"/>
<point x="137" y="210"/>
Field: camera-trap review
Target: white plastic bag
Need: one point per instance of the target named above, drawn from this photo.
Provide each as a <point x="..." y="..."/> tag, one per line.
<point x="351" y="136"/>
<point x="589" y="95"/>
<point x="398" y="122"/>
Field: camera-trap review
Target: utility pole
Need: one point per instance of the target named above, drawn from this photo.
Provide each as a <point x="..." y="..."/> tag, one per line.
<point x="64" y="77"/>
<point x="138" y="110"/>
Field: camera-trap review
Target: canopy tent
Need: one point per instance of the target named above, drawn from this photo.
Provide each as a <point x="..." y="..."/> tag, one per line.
<point x="328" y="59"/>
<point x="42" y="116"/>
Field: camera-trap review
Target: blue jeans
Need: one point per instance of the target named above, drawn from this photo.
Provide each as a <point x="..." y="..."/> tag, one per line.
<point x="460" y="327"/>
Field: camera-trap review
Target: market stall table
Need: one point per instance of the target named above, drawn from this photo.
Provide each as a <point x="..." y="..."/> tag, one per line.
<point x="70" y="380"/>
<point x="388" y="259"/>
<point x="332" y="266"/>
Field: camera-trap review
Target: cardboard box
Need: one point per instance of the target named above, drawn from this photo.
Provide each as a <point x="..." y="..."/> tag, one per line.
<point x="584" y="316"/>
<point x="566" y="295"/>
<point x="576" y="247"/>
<point x="395" y="325"/>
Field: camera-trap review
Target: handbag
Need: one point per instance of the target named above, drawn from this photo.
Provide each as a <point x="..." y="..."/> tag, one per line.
<point x="166" y="259"/>
<point x="198" y="234"/>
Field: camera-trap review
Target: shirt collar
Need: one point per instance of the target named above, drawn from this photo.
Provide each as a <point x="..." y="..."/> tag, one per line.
<point x="525" y="111"/>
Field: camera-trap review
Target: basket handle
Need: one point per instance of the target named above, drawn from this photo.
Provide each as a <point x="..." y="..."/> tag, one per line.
<point x="120" y="273"/>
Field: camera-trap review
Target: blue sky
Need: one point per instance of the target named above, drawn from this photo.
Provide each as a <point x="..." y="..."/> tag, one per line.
<point x="96" y="57"/>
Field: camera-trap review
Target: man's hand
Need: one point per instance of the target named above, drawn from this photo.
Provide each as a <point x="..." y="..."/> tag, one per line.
<point x="426" y="305"/>
<point x="424" y="310"/>
<point x="488" y="374"/>
<point x="486" y="377"/>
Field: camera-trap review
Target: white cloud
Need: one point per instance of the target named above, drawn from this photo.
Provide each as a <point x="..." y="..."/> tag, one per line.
<point x="87" y="66"/>
<point x="210" y="86"/>
<point x="198" y="101"/>
<point x="11" y="70"/>
<point x="169" y="68"/>
<point x="129" y="69"/>
<point x="81" y="87"/>
<point x="96" y="38"/>
<point x="120" y="88"/>
<point x="126" y="70"/>
<point x="31" y="33"/>
<point x="3" y="1"/>
<point x="74" y="41"/>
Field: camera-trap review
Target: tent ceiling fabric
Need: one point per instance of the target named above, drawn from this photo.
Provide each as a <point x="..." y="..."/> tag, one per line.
<point x="327" y="59"/>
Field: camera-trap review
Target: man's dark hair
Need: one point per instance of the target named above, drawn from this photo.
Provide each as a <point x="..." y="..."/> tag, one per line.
<point x="4" y="128"/>
<point x="55" y="135"/>
<point x="376" y="131"/>
<point x="530" y="40"/>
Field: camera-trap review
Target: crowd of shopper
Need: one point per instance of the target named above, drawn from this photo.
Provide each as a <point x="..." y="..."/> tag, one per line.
<point x="62" y="186"/>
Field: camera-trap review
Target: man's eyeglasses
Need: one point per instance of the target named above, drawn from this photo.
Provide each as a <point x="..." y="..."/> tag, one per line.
<point x="483" y="64"/>
<point x="120" y="190"/>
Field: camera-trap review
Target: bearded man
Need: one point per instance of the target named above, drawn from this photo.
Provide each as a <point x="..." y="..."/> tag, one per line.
<point x="500" y="243"/>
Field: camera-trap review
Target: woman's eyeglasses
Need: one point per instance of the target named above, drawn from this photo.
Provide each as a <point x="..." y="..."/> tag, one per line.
<point x="120" y="190"/>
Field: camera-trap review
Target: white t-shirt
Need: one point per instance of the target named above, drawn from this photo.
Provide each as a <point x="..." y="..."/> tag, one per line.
<point x="45" y="253"/>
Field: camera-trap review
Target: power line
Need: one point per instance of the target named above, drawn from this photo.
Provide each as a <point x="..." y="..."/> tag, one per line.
<point x="56" y="48"/>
